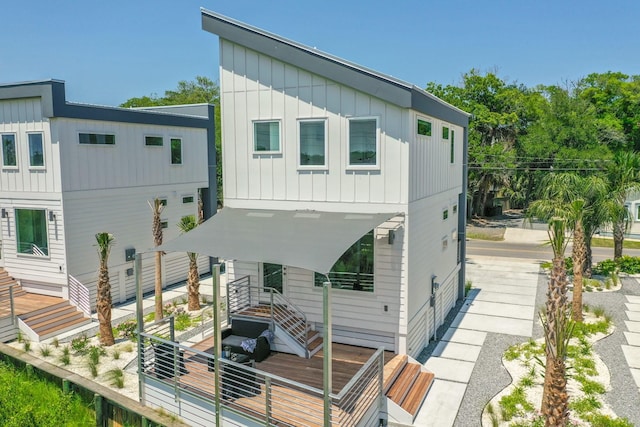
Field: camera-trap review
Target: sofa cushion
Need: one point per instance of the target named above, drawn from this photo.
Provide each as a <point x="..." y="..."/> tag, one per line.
<point x="248" y="328"/>
<point x="262" y="350"/>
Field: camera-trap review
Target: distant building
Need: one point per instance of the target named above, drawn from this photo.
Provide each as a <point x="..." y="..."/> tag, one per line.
<point x="72" y="170"/>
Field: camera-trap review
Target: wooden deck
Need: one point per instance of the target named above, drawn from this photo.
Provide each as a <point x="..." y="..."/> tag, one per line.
<point x="29" y="302"/>
<point x="347" y="360"/>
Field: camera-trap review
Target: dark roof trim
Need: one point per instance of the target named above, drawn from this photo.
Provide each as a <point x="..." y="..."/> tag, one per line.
<point x="331" y="67"/>
<point x="54" y="104"/>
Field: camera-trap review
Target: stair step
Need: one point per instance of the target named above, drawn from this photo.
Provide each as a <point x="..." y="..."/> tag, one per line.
<point x="59" y="329"/>
<point x="392" y="370"/>
<point x="44" y="312"/>
<point x="62" y="317"/>
<point x="418" y="392"/>
<point x="403" y="383"/>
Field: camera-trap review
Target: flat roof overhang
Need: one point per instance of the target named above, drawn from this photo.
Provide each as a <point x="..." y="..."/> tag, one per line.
<point x="312" y="240"/>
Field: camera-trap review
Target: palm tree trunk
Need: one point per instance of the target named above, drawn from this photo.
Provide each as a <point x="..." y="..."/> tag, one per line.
<point x="193" y="283"/>
<point x="158" y="286"/>
<point x="103" y="306"/>
<point x="555" y="403"/>
<point x="578" y="255"/>
<point x="588" y="258"/>
<point x="618" y="239"/>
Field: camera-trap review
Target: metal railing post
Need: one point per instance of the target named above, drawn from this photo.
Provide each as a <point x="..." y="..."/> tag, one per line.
<point x="267" y="401"/>
<point x="381" y="398"/>
<point x="326" y="345"/>
<point x="13" y="311"/>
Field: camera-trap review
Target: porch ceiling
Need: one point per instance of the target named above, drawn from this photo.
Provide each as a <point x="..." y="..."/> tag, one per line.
<point x="307" y="239"/>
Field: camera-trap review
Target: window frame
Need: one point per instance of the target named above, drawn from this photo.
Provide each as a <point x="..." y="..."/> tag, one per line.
<point x="325" y="165"/>
<point x="85" y="144"/>
<point x="445" y="133"/>
<point x="424" y="119"/>
<point x="146" y="144"/>
<point x="15" y="150"/>
<point x="186" y="196"/>
<point x="362" y="166"/>
<point x="255" y="139"/>
<point x="18" y="232"/>
<point x="452" y="147"/>
<point x="44" y="163"/>
<point x="445" y="214"/>
<point x="171" y="139"/>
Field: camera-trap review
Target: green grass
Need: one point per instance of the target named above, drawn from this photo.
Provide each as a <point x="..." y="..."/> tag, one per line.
<point x="485" y="236"/>
<point x="514" y="404"/>
<point x="603" y="242"/>
<point x="36" y="402"/>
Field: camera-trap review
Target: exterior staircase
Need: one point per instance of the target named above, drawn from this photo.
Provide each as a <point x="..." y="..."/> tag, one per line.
<point x="6" y="282"/>
<point x="50" y="321"/>
<point x="406" y="385"/>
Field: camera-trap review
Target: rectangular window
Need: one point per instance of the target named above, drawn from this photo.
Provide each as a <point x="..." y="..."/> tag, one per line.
<point x="424" y="127"/>
<point x="452" y="155"/>
<point x="363" y="142"/>
<point x="36" y="150"/>
<point x="272" y="276"/>
<point x="354" y="269"/>
<point x="164" y="224"/>
<point x="97" y="139"/>
<point x="187" y="199"/>
<point x="31" y="232"/>
<point x="455" y="209"/>
<point x="445" y="243"/>
<point x="266" y="137"/>
<point x="638" y="212"/>
<point x="153" y="141"/>
<point x="312" y="143"/>
<point x="9" y="157"/>
<point x="445" y="132"/>
<point x="176" y="151"/>
<point x="163" y="202"/>
<point x="445" y="214"/>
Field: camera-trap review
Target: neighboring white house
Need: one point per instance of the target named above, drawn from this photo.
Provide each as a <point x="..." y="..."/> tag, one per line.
<point x="306" y="131"/>
<point x="71" y="170"/>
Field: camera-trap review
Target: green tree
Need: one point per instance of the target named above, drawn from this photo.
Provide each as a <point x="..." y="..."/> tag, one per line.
<point x="201" y="90"/>
<point x="103" y="303"/>
<point x="156" y="229"/>
<point x="623" y="176"/>
<point x="186" y="224"/>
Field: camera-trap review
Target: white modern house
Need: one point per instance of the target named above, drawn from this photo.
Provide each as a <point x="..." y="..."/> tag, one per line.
<point x="69" y="171"/>
<point x="333" y="173"/>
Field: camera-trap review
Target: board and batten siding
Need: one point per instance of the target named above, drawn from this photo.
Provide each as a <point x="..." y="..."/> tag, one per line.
<point x="44" y="274"/>
<point x="428" y="256"/>
<point x="257" y="87"/>
<point x="430" y="169"/>
<point x="93" y="167"/>
<point x="358" y="318"/>
<point x="125" y="213"/>
<point x="21" y="117"/>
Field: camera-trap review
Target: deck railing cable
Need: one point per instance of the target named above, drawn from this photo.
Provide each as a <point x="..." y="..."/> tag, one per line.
<point x="79" y="295"/>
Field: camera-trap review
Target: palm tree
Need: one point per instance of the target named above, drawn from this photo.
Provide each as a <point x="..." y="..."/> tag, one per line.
<point x="558" y="329"/>
<point x="186" y="224"/>
<point x="156" y="228"/>
<point x="103" y="303"/>
<point x="623" y="176"/>
<point x="579" y="202"/>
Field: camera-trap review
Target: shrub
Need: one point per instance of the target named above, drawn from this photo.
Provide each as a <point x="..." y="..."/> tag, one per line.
<point x="94" y="352"/>
<point x="27" y="345"/>
<point x="56" y="342"/>
<point x="65" y="359"/>
<point x="80" y="344"/>
<point x="599" y="420"/>
<point x="182" y="321"/>
<point x="116" y="376"/>
<point x="45" y="350"/>
<point x="127" y="329"/>
<point x="93" y="368"/>
<point x="128" y="347"/>
<point x="115" y="354"/>
<point x="629" y="264"/>
<point x="605" y="268"/>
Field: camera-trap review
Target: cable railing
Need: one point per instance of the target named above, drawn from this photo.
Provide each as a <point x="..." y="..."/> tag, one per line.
<point x="248" y="300"/>
<point x="79" y="295"/>
<point x="257" y="395"/>
<point x="32" y="249"/>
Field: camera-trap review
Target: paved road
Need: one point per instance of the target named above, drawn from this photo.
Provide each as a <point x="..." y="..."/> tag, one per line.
<point x="533" y="251"/>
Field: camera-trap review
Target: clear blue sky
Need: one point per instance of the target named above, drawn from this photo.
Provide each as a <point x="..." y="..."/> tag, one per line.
<point x="110" y="51"/>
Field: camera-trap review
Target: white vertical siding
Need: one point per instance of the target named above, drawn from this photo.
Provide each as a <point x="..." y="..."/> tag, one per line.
<point x="129" y="162"/>
<point x="257" y="87"/>
<point x="21" y="117"/>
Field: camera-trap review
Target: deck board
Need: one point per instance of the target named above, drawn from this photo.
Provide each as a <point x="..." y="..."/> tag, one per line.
<point x="30" y="302"/>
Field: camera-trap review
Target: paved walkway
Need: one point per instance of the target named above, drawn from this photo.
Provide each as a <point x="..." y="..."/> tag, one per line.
<point x="632" y="350"/>
<point x="502" y="301"/>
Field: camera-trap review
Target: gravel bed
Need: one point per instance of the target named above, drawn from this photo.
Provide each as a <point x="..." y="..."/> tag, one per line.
<point x="489" y="376"/>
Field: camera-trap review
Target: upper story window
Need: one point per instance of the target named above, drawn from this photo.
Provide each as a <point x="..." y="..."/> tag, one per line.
<point x="313" y="143"/>
<point x="97" y="139"/>
<point x="36" y="150"/>
<point x="363" y="141"/>
<point x="424" y="127"/>
<point x="176" y="151"/>
<point x="153" y="141"/>
<point x="445" y="214"/>
<point x="187" y="199"/>
<point x="452" y="154"/>
<point x="445" y="132"/>
<point x="455" y="209"/>
<point x="266" y="136"/>
<point x="9" y="154"/>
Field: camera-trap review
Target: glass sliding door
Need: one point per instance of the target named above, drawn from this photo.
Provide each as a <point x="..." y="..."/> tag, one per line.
<point x="272" y="276"/>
